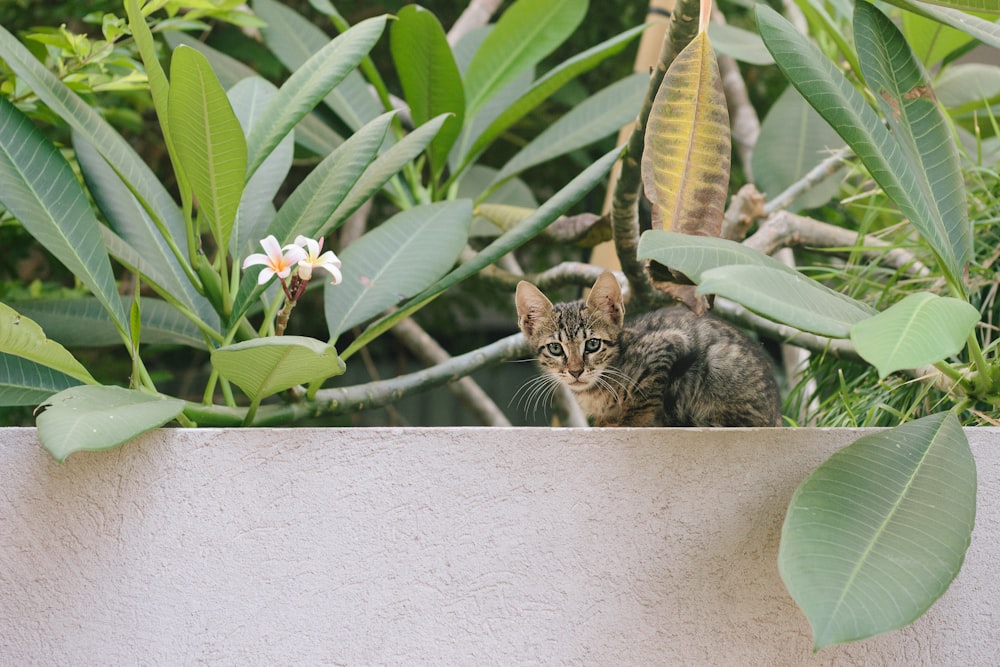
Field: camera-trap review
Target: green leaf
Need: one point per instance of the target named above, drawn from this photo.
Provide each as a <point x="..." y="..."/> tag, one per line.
<point x="740" y="44"/>
<point x="135" y="240"/>
<point x="308" y="85"/>
<point x="967" y="87"/>
<point x="601" y="114"/>
<point x="24" y="382"/>
<point x="432" y="84"/>
<point x="794" y="139"/>
<point x="265" y="366"/>
<point x="395" y="260"/>
<point x="318" y="196"/>
<point x="955" y="6"/>
<point x="822" y="85"/>
<point x="907" y="100"/>
<point x="509" y="112"/>
<point x="985" y="31"/>
<point x="921" y="329"/>
<point x="787" y="297"/>
<point x="210" y="144"/>
<point x="694" y="255"/>
<point x="932" y="41"/>
<point x="384" y="167"/>
<point x="22" y="337"/>
<point x="294" y="39"/>
<point x="89" y="124"/>
<point x="249" y="98"/>
<point x="877" y="533"/>
<point x="95" y="417"/>
<point x="527" y="31"/>
<point x="531" y="227"/>
<point x="39" y="188"/>
<point x="81" y="322"/>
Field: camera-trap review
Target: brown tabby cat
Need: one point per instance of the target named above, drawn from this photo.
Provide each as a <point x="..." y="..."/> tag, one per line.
<point x="667" y="368"/>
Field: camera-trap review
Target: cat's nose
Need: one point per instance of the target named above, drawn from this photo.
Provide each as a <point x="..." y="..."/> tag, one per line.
<point x="576" y="373"/>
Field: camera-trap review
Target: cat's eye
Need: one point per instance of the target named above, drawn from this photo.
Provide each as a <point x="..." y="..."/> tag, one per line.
<point x="555" y="349"/>
<point x="592" y="345"/>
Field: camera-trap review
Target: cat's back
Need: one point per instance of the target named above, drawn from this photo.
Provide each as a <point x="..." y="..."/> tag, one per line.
<point x="712" y="373"/>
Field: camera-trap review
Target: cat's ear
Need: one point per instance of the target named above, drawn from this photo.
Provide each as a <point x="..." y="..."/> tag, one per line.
<point x="532" y="306"/>
<point x="606" y="297"/>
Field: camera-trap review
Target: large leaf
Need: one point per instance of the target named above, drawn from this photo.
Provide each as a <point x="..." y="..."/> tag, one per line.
<point x="95" y="417"/>
<point x="311" y="132"/>
<point x="396" y="260"/>
<point x="985" y="31"/>
<point x="787" y="297"/>
<point x="40" y="189"/>
<point x="294" y="39"/>
<point x="877" y="533"/>
<point x="317" y="197"/>
<point x="694" y="255"/>
<point x="430" y="78"/>
<point x="951" y="6"/>
<point x="921" y="329"/>
<point x="601" y="114"/>
<point x="308" y="85"/>
<point x="137" y="243"/>
<point x="907" y="100"/>
<point x="383" y="168"/>
<point x="89" y="124"/>
<point x="265" y="366"/>
<point x="23" y="382"/>
<point x="740" y="44"/>
<point x="531" y="227"/>
<point x="527" y="32"/>
<point x="833" y="96"/>
<point x="211" y="148"/>
<point x="685" y="162"/>
<point x="22" y="337"/>
<point x="513" y="109"/>
<point x="80" y="322"/>
<point x="249" y="98"/>
<point x="794" y="139"/>
<point x="932" y="41"/>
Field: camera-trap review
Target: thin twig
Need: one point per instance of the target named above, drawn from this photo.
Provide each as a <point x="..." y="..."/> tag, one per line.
<point x="822" y="171"/>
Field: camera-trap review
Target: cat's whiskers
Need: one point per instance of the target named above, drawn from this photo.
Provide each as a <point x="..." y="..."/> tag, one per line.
<point x="535" y="392"/>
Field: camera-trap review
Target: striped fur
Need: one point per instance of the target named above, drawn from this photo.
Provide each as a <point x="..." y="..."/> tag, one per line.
<point x="669" y="367"/>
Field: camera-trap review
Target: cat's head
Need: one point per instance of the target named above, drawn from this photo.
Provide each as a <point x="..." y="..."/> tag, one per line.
<point x="574" y="341"/>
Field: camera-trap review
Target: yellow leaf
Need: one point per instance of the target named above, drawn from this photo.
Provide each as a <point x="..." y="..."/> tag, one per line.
<point x="686" y="158"/>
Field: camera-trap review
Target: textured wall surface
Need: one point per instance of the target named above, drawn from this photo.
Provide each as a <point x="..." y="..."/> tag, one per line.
<point x="444" y="547"/>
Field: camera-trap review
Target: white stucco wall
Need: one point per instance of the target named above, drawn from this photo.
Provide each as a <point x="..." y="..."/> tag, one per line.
<point x="439" y="547"/>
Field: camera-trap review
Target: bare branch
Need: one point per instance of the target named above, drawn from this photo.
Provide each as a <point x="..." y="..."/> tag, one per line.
<point x="815" y="176"/>
<point x="787" y="229"/>
<point x="468" y="392"/>
<point x="344" y="400"/>
<point x="477" y="14"/>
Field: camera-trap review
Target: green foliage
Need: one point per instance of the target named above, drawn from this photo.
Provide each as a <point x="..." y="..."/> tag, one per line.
<point x="183" y="237"/>
<point x="905" y="496"/>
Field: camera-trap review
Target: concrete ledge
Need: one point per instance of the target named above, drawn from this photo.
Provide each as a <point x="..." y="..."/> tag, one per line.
<point x="439" y="546"/>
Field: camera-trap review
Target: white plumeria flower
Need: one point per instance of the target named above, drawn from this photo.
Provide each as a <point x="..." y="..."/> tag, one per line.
<point x="327" y="261"/>
<point x="275" y="261"/>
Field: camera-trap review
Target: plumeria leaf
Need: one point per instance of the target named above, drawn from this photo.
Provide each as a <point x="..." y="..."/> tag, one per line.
<point x="310" y="83"/>
<point x="877" y="533"/>
<point x="95" y="417"/>
<point x="294" y="39"/>
<point x="787" y="297"/>
<point x="921" y="329"/>
<point x="210" y="144"/>
<point x="397" y="259"/>
<point x="39" y="188"/>
<point x="22" y="337"/>
<point x="265" y="366"/>
<point x="24" y="382"/>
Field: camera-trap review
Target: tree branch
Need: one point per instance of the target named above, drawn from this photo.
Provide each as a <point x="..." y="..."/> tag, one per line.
<point x="467" y="390"/>
<point x="344" y="400"/>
